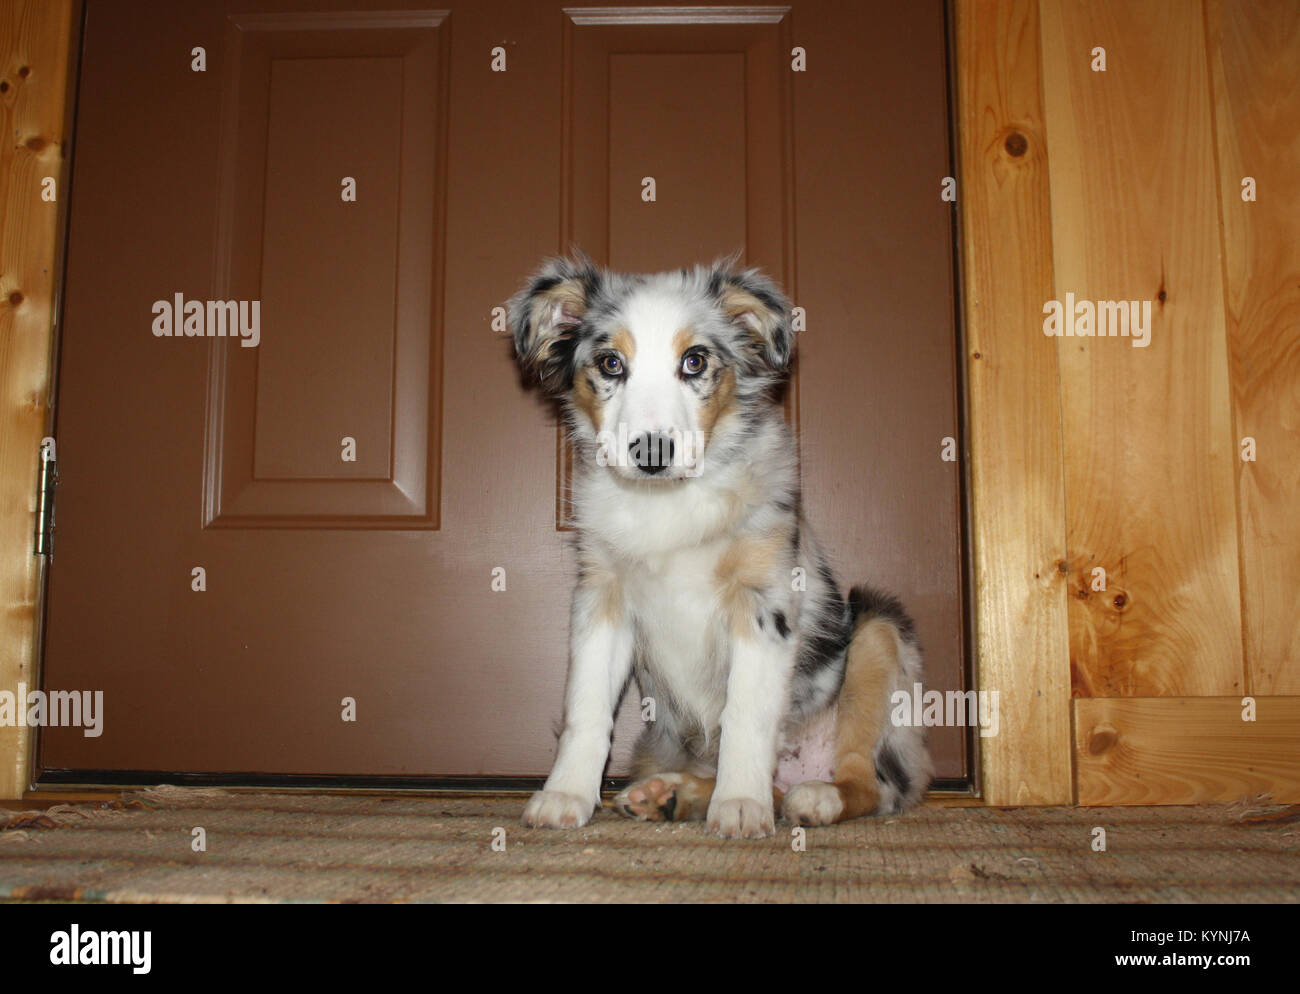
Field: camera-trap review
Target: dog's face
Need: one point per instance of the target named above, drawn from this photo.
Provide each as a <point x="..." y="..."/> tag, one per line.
<point x="653" y="370"/>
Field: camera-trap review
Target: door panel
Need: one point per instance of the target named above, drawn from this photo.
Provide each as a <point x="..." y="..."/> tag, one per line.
<point x="380" y="578"/>
<point x="360" y="360"/>
<point x="701" y="109"/>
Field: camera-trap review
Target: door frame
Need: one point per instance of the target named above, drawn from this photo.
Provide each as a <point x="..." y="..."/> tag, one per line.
<point x="1015" y="506"/>
<point x="41" y="104"/>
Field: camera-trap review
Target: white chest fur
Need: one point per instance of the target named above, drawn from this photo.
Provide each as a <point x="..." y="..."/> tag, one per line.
<point x="681" y="632"/>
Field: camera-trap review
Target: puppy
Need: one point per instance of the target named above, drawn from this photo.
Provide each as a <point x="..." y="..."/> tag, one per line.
<point x="698" y="573"/>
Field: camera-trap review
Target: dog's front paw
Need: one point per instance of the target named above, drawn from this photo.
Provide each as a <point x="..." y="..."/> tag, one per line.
<point x="555" y="809"/>
<point x="741" y="818"/>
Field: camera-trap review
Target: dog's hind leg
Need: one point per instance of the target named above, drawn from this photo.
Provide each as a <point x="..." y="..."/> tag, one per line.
<point x="876" y="765"/>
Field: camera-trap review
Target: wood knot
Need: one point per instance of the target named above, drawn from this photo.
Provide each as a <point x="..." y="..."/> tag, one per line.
<point x="15" y="298"/>
<point x="36" y="143"/>
<point x="24" y="72"/>
<point x="1062" y="567"/>
<point x="1103" y="737"/>
<point x="1120" y="601"/>
<point x="4" y="86"/>
<point x="1016" y="144"/>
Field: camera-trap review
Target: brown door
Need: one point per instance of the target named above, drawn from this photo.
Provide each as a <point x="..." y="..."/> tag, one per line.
<point x="364" y="506"/>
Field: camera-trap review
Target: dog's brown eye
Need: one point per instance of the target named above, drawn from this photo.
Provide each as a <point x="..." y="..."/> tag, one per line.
<point x="695" y="363"/>
<point x="611" y="365"/>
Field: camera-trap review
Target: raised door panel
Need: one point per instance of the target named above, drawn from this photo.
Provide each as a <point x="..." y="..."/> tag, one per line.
<point x="330" y="193"/>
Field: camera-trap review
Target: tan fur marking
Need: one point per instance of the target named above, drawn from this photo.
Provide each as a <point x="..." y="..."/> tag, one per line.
<point x="745" y="566"/>
<point x="693" y="798"/>
<point x="719" y="403"/>
<point x="624" y="342"/>
<point x="683" y="340"/>
<point x="585" y="399"/>
<point x="569" y="295"/>
<point x="739" y="304"/>
<point x="872" y="661"/>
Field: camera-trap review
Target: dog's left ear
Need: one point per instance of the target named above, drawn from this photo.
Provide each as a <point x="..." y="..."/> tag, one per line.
<point x="756" y="305"/>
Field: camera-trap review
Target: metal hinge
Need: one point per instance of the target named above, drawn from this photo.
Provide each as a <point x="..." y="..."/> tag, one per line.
<point x="49" y="478"/>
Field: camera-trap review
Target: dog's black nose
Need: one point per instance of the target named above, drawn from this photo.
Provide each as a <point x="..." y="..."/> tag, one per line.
<point x="652" y="452"/>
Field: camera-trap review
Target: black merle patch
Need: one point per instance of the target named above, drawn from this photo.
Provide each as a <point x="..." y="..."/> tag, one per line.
<point x="778" y="619"/>
<point x="828" y="637"/>
<point x="866" y="603"/>
<point x="889" y="769"/>
<point x="669" y="807"/>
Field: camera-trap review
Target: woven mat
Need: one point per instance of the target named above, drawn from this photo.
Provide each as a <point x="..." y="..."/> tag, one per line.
<point x="288" y="847"/>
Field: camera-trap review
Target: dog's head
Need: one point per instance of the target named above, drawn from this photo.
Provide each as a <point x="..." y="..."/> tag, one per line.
<point x="654" y="371"/>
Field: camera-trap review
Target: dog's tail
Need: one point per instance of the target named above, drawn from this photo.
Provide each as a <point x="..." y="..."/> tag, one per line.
<point x="884" y="653"/>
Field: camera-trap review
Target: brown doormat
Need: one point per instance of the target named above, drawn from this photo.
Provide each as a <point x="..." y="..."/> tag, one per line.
<point x="284" y="847"/>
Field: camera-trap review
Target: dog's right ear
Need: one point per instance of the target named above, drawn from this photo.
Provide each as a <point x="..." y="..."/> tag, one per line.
<point x="546" y="318"/>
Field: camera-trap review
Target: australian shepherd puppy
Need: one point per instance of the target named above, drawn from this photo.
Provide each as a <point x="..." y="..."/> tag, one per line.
<point x="698" y="573"/>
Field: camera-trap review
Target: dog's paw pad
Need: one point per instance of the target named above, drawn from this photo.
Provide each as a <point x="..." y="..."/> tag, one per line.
<point x="651" y="799"/>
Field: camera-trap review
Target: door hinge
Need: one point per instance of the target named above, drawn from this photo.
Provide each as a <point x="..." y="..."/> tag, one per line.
<point x="49" y="478"/>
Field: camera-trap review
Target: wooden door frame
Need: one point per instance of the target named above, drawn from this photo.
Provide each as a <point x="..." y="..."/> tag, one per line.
<point x="1017" y="509"/>
<point x="39" y="40"/>
<point x="1014" y="438"/>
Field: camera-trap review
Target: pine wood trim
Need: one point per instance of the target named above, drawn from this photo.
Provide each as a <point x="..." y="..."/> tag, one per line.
<point x="1186" y="750"/>
<point x="35" y="44"/>
<point x="1015" y="435"/>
